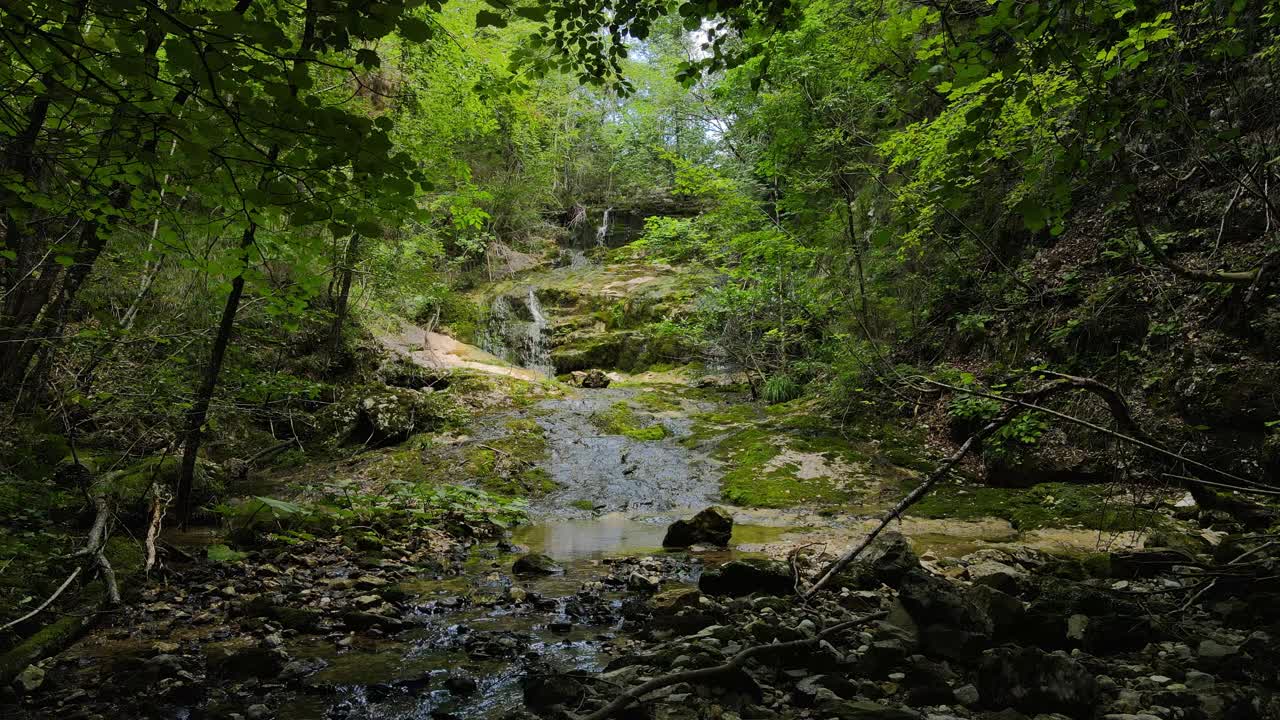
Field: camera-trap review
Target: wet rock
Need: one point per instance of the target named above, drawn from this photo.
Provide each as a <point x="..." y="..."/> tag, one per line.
<point x="744" y="577"/>
<point x="712" y="526"/>
<point x="257" y="711"/>
<point x="496" y="644"/>
<point x="674" y="600"/>
<point x="535" y="564"/>
<point x="890" y="558"/>
<point x="643" y="583"/>
<point x="29" y="680"/>
<point x="364" y="620"/>
<point x="460" y="685"/>
<point x="243" y="663"/>
<point x="864" y="710"/>
<point x="544" y="687"/>
<point x="594" y="378"/>
<point x="998" y="575"/>
<point x="1033" y="681"/>
<point x="297" y="669"/>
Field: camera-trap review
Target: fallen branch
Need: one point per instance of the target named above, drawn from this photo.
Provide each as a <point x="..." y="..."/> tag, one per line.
<point x="1119" y="410"/>
<point x="737" y="661"/>
<point x="48" y="601"/>
<point x="159" y="503"/>
<point x="912" y="498"/>
<point x="1238" y="277"/>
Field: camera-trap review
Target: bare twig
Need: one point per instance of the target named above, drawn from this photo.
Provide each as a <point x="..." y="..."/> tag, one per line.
<point x="48" y="601"/>
<point x="622" y="701"/>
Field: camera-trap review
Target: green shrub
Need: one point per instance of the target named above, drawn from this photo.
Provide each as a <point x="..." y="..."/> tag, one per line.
<point x="780" y="389"/>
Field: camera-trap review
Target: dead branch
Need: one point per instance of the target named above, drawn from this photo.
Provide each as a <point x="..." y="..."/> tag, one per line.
<point x="737" y="661"/>
<point x="48" y="601"/>
<point x="159" y="503"/>
<point x="1119" y="410"/>
<point x="1239" y="277"/>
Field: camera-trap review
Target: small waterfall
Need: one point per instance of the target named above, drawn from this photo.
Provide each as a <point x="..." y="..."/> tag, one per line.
<point x="602" y="231"/>
<point x="517" y="332"/>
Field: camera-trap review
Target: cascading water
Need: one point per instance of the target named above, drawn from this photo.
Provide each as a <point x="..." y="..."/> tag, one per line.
<point x="517" y="332"/>
<point x="602" y="230"/>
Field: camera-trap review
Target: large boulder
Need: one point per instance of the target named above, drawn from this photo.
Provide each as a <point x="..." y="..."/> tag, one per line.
<point x="951" y="625"/>
<point x="1033" y="681"/>
<point x="712" y="526"/>
<point x="743" y="577"/>
<point x="890" y="558"/>
<point x="535" y="564"/>
<point x="385" y="415"/>
<point x="594" y="378"/>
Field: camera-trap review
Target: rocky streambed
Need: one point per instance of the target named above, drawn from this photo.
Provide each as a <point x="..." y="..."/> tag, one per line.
<point x="962" y="620"/>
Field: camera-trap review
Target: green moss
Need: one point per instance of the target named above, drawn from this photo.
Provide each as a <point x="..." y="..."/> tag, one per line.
<point x="1043" y="505"/>
<point x="509" y="465"/>
<point x="584" y="504"/>
<point x="748" y="480"/>
<point x="621" y="419"/>
<point x="657" y="401"/>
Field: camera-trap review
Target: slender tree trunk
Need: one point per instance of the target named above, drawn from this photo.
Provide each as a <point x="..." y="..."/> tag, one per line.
<point x="199" y="411"/>
<point x="344" y="293"/>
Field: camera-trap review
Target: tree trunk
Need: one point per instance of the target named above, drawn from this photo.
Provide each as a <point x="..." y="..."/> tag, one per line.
<point x="199" y="411"/>
<point x="344" y="294"/>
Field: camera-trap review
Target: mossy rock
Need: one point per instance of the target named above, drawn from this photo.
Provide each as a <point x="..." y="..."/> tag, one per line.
<point x="384" y="415"/>
<point x="621" y="419"/>
<point x="1040" y="506"/>
<point x="510" y="465"/>
<point x="591" y="351"/>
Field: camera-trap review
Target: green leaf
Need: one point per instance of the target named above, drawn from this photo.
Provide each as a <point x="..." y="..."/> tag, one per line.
<point x="536" y="13"/>
<point x="487" y="18"/>
<point x="415" y="30"/>
<point x="367" y="58"/>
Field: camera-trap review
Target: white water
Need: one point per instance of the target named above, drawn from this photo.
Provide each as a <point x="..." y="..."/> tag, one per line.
<point x="518" y="331"/>
<point x="602" y="231"/>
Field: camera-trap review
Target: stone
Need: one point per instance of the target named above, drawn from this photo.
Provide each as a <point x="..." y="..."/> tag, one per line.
<point x="244" y="663"/>
<point x="713" y="526"/>
<point x="1147" y="562"/>
<point x="460" y="685"/>
<point x="257" y="711"/>
<point x="1033" y="681"/>
<point x="543" y="687"/>
<point x="643" y="583"/>
<point x="737" y="578"/>
<point x="933" y="601"/>
<point x="594" y="378"/>
<point x="966" y="695"/>
<point x="864" y="710"/>
<point x="890" y="558"/>
<point x="29" y="680"/>
<point x="673" y="600"/>
<point x="1005" y="611"/>
<point x="998" y="575"/>
<point x="535" y="564"/>
<point x="164" y="665"/>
